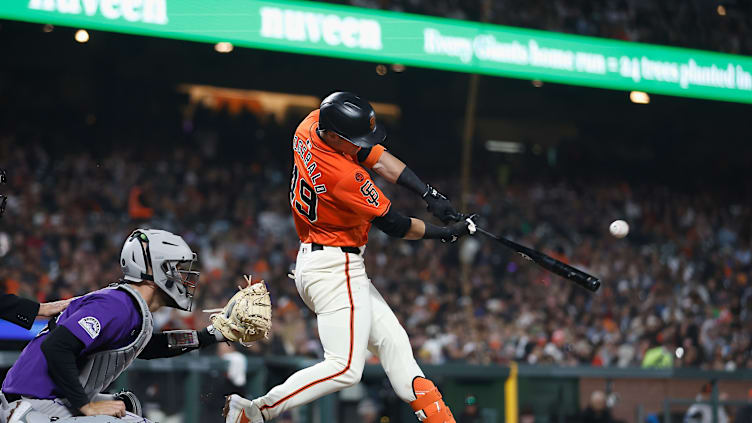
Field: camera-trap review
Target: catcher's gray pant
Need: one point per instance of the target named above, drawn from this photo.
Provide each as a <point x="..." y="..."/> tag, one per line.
<point x="352" y="318"/>
<point x="43" y="410"/>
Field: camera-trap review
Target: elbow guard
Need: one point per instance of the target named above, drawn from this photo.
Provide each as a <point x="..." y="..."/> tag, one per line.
<point x="393" y="224"/>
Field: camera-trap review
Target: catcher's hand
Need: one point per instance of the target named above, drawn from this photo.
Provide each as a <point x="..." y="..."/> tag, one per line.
<point x="247" y="317"/>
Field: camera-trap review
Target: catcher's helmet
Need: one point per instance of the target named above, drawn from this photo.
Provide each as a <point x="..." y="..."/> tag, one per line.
<point x="161" y="257"/>
<point x="352" y="118"/>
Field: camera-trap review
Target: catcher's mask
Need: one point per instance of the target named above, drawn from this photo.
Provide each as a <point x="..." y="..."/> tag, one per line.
<point x="3" y="198"/>
<point x="165" y="259"/>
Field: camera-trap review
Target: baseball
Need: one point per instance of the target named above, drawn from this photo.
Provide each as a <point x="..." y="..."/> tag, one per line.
<point x="619" y="228"/>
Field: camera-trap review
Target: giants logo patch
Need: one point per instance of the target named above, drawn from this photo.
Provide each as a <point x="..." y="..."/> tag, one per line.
<point x="91" y="326"/>
<point x="369" y="191"/>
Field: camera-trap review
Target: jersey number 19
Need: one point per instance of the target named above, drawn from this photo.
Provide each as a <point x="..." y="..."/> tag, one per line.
<point x="305" y="201"/>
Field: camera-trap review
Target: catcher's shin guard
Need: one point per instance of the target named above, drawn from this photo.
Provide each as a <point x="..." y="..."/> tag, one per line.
<point x="428" y="405"/>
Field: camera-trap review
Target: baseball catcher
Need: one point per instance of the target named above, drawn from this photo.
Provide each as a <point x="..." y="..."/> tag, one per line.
<point x="60" y="374"/>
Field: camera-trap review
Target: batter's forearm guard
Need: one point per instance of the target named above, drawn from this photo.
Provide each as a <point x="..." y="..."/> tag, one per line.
<point x="411" y="181"/>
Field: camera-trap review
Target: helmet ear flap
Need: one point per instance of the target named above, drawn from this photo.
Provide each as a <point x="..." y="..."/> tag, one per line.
<point x="133" y="260"/>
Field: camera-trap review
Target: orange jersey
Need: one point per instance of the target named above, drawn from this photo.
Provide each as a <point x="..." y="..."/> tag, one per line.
<point x="333" y="199"/>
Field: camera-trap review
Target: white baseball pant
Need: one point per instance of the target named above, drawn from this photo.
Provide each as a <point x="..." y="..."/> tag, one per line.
<point x="352" y="316"/>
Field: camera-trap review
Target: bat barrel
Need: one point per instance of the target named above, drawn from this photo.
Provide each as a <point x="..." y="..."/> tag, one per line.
<point x="589" y="282"/>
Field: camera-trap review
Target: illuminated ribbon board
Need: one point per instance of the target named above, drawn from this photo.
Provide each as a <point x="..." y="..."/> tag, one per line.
<point x="389" y="37"/>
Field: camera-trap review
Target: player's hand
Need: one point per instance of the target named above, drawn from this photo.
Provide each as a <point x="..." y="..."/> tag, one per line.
<point x="132" y="404"/>
<point x="54" y="308"/>
<point x="104" y="408"/>
<point x="460" y="229"/>
<point x="439" y="205"/>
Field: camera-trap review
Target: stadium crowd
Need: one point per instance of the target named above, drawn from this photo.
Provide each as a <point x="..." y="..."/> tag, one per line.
<point x="719" y="26"/>
<point x="676" y="291"/>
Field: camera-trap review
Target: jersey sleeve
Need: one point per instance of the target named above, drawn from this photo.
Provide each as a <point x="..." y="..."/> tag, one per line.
<point x="374" y="155"/>
<point x="101" y="322"/>
<point x="357" y="192"/>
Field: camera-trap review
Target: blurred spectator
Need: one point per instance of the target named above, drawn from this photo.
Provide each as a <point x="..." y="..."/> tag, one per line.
<point x="136" y="208"/>
<point x="744" y="414"/>
<point x="527" y="415"/>
<point x="703" y="413"/>
<point x="471" y="412"/>
<point x="368" y="411"/>
<point x="597" y="411"/>
<point x="237" y="367"/>
<point x="658" y="357"/>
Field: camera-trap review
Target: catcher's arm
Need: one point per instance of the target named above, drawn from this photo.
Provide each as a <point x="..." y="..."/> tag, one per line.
<point x="176" y="342"/>
<point x="247" y="317"/>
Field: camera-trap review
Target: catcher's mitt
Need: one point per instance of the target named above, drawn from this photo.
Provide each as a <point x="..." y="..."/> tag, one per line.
<point x="247" y="317"/>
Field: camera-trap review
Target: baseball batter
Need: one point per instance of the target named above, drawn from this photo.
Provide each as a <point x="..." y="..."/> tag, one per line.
<point x="334" y="203"/>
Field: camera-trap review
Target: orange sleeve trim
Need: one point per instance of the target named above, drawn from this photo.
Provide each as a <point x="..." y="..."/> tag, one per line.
<point x="376" y="152"/>
<point x="389" y="207"/>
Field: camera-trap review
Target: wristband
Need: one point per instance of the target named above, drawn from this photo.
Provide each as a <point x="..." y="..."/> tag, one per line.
<point x="210" y="335"/>
<point x="435" y="232"/>
<point x="180" y="339"/>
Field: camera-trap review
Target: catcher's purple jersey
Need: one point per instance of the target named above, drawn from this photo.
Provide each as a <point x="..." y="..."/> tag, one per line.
<point x="104" y="320"/>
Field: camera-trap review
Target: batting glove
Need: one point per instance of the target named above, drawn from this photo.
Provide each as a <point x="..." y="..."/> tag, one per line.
<point x="439" y="205"/>
<point x="460" y="229"/>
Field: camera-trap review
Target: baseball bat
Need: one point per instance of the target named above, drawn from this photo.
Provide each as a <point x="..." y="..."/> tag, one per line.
<point x="589" y="282"/>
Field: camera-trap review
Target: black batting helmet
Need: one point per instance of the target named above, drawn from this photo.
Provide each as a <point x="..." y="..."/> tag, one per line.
<point x="352" y="118"/>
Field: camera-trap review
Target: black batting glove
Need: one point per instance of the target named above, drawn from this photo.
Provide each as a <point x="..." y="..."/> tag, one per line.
<point x="439" y="205"/>
<point x="458" y="230"/>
